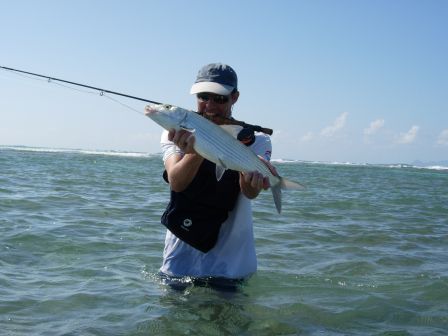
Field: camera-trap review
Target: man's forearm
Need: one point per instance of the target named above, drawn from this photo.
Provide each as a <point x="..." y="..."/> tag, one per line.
<point x="182" y="172"/>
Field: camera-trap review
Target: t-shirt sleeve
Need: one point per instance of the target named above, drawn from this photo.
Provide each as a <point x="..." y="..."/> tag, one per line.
<point x="168" y="147"/>
<point x="262" y="146"/>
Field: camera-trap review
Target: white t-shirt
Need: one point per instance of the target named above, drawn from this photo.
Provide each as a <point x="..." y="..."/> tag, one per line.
<point x="233" y="256"/>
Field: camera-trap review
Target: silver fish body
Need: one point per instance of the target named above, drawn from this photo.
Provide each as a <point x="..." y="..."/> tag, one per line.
<point x="217" y="145"/>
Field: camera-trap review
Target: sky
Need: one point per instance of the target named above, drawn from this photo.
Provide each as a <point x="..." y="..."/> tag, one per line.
<point x="337" y="80"/>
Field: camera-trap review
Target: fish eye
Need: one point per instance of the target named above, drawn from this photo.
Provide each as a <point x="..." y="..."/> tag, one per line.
<point x="167" y="106"/>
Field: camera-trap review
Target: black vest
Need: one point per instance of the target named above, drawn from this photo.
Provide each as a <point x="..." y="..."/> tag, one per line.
<point x="196" y="214"/>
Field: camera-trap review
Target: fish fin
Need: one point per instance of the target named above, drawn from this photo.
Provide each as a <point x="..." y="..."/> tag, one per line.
<point x="277" y="194"/>
<point x="220" y="170"/>
<point x="287" y="184"/>
<point x="185" y="128"/>
<point x="233" y="130"/>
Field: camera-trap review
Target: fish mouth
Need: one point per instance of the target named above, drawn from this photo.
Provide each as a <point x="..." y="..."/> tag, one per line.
<point x="150" y="110"/>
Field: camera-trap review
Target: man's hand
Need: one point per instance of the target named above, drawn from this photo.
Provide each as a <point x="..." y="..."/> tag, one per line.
<point x="252" y="183"/>
<point x="182" y="139"/>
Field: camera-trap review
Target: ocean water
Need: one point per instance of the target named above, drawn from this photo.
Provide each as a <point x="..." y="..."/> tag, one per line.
<point x="363" y="251"/>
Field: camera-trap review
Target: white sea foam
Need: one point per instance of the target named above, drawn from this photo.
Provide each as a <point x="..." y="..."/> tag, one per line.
<point x="79" y="151"/>
<point x="285" y="161"/>
<point x="361" y="164"/>
<point x="115" y="153"/>
<point x="434" y="167"/>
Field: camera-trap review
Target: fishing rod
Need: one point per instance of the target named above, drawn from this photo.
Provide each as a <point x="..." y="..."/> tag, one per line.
<point x="83" y="85"/>
<point x="220" y="120"/>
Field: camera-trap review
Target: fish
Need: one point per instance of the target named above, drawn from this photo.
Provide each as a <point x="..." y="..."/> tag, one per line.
<point x="218" y="144"/>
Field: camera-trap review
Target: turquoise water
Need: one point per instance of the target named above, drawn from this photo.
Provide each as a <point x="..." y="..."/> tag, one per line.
<point x="363" y="251"/>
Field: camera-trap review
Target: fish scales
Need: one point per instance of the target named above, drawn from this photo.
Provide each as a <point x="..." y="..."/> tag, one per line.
<point x="215" y="141"/>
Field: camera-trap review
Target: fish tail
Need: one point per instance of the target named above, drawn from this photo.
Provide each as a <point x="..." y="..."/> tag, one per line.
<point x="277" y="190"/>
<point x="287" y="184"/>
<point x="277" y="194"/>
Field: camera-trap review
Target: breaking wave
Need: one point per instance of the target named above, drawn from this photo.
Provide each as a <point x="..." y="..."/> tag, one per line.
<point x="440" y="167"/>
<point x="78" y="151"/>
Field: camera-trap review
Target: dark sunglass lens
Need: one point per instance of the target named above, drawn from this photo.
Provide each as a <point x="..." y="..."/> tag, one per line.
<point x="218" y="99"/>
<point x="203" y="96"/>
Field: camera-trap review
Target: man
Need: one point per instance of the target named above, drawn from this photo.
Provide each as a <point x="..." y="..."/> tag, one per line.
<point x="195" y="190"/>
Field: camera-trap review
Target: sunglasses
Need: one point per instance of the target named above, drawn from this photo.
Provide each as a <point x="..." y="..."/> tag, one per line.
<point x="218" y="99"/>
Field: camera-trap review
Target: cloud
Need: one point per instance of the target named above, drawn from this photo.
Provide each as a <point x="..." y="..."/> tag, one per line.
<point x="408" y="137"/>
<point x="443" y="138"/>
<point x="374" y="127"/>
<point x="338" y="124"/>
<point x="307" y="137"/>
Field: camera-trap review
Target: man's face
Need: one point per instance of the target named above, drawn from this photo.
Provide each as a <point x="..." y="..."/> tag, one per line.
<point x="216" y="105"/>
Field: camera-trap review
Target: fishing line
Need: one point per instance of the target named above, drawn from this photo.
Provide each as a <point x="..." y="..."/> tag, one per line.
<point x="53" y="81"/>
<point x="22" y="78"/>
<point x="72" y="88"/>
<point x="123" y="104"/>
<point x="82" y="85"/>
<point x="101" y="93"/>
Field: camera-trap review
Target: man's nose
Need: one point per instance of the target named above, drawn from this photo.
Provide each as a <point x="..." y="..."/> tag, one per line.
<point x="210" y="103"/>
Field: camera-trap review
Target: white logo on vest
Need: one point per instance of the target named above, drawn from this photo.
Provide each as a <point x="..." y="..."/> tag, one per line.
<point x="187" y="223"/>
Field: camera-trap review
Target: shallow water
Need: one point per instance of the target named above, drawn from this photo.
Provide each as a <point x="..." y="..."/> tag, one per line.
<point x="363" y="251"/>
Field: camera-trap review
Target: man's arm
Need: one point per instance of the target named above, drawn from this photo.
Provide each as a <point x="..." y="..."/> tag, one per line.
<point x="181" y="169"/>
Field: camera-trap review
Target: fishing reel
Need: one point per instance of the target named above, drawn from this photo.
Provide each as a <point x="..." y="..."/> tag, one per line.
<point x="246" y="136"/>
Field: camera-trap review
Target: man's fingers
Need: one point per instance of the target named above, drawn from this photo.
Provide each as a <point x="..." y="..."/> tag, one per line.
<point x="189" y="141"/>
<point x="256" y="180"/>
<point x="171" y="134"/>
<point x="266" y="183"/>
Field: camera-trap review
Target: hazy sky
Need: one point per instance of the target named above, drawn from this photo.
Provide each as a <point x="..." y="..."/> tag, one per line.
<point x="358" y="81"/>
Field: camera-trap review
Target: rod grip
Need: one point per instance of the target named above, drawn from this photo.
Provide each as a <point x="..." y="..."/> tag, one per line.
<point x="268" y="131"/>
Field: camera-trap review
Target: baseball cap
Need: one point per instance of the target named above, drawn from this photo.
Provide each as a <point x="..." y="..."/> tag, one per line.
<point x="216" y="78"/>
